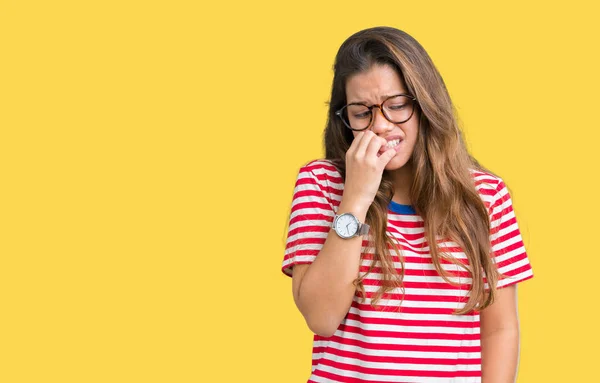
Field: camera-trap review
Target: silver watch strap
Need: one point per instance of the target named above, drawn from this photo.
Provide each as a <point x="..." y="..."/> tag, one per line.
<point x="363" y="229"/>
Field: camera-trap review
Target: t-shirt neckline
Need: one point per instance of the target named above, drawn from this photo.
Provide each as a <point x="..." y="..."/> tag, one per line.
<point x="401" y="209"/>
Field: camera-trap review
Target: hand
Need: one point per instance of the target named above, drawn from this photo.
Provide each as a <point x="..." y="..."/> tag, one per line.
<point x="364" y="169"/>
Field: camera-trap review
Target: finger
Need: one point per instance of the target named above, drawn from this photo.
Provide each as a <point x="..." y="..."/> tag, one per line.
<point x="375" y="146"/>
<point x="356" y="141"/>
<point x="386" y="157"/>
<point x="364" y="143"/>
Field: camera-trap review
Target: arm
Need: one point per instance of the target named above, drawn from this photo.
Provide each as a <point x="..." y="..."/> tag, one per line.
<point x="323" y="290"/>
<point x="500" y="338"/>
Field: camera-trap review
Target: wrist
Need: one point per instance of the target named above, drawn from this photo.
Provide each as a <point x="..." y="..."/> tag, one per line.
<point x="347" y="225"/>
<point x="359" y="210"/>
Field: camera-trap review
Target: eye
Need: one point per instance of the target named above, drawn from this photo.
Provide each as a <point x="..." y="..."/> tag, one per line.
<point x="397" y="106"/>
<point x="358" y="111"/>
<point x="362" y="115"/>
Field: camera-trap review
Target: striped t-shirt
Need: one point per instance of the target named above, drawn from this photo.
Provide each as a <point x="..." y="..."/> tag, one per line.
<point x="423" y="341"/>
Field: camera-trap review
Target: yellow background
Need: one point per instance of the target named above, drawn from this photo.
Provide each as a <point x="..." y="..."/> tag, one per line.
<point x="149" y="151"/>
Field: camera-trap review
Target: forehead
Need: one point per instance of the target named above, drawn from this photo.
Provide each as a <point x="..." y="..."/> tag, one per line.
<point x="374" y="85"/>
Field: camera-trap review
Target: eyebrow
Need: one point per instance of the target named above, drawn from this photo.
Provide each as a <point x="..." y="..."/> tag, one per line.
<point x="381" y="99"/>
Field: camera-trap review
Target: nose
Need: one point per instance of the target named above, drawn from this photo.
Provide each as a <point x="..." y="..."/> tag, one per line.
<point x="380" y="124"/>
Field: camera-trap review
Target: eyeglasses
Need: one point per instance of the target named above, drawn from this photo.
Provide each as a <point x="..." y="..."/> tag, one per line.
<point x="396" y="109"/>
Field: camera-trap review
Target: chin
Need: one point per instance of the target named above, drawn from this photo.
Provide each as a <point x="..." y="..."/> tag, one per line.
<point x="397" y="162"/>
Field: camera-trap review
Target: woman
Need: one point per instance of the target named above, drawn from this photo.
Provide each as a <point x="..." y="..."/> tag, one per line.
<point x="404" y="251"/>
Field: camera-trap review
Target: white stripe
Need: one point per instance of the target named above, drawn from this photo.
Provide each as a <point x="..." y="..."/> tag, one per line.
<point x="305" y="223"/>
<point x="312" y="210"/>
<point x="304" y="246"/>
<point x="394" y="353"/>
<point x="316" y="184"/>
<point x="512" y="266"/>
<point x="518" y="277"/>
<point x="420" y="278"/>
<point x="506" y="230"/>
<point x="415" y="266"/>
<point x="307" y="234"/>
<point x="506" y="243"/>
<point x="411" y="329"/>
<point x="412" y="246"/>
<point x="383" y="378"/>
<point x="417" y="291"/>
<point x="416" y="317"/>
<point x="402" y="366"/>
<point x="323" y="183"/>
<point x="319" y="379"/>
<point x="300" y="259"/>
<point x="508" y="255"/>
<point x="417" y="304"/>
<point x="411" y="230"/>
<point x="409" y="341"/>
<point x="323" y="169"/>
<point x="404" y="218"/>
<point x="503" y="205"/>
<point x="311" y="198"/>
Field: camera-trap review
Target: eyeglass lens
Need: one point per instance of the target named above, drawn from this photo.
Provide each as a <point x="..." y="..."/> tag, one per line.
<point x="397" y="110"/>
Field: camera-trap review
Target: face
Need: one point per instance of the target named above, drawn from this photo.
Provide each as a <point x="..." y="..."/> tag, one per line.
<point x="373" y="87"/>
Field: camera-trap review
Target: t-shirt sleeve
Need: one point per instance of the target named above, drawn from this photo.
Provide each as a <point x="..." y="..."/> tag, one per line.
<point x="311" y="215"/>
<point x="508" y="250"/>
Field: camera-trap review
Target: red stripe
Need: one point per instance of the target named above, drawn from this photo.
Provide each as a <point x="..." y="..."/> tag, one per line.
<point x="416" y="298"/>
<point x="407" y="310"/>
<point x="504" y="225"/>
<point x="428" y="273"/>
<point x="426" y="260"/>
<point x="400" y="359"/>
<point x="400" y="347"/>
<point x="499" y="202"/>
<point x="485" y="191"/>
<point x="390" y="372"/>
<point x="311" y="205"/>
<point x="412" y="322"/>
<point x="406" y="224"/>
<point x="520" y="270"/>
<point x="509" y="248"/>
<point x="305" y="241"/>
<point x="308" y="193"/>
<point x="407" y="335"/>
<point x="328" y="178"/>
<point x="300" y="253"/>
<point x="312" y="217"/>
<point x="512" y="260"/>
<point x="421" y="285"/>
<point x="309" y="229"/>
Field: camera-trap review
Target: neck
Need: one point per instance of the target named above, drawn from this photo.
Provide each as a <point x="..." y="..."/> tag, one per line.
<point x="402" y="180"/>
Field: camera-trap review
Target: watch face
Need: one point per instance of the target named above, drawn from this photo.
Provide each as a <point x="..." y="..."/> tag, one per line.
<point x="346" y="225"/>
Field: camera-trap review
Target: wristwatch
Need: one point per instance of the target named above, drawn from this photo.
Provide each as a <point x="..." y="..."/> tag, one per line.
<point x="348" y="226"/>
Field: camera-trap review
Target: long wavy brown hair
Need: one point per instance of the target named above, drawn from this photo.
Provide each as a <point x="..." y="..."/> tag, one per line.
<point x="443" y="191"/>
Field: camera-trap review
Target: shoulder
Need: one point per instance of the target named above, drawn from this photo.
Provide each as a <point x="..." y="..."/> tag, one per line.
<point x="320" y="178"/>
<point x="320" y="166"/>
<point x="323" y="170"/>
<point x="488" y="185"/>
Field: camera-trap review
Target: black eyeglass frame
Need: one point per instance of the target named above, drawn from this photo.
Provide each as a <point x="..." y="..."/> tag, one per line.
<point x="380" y="106"/>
